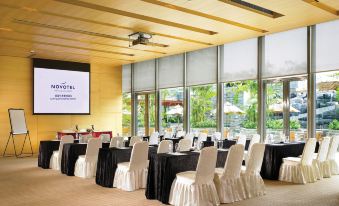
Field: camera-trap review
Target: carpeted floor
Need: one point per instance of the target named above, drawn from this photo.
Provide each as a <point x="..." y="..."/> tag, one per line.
<point x="23" y="183"/>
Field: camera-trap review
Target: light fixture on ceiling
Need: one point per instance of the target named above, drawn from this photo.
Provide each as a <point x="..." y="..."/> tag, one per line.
<point x="139" y="38"/>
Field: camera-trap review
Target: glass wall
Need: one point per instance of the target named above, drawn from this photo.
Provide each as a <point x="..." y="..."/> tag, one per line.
<point x="126" y="114"/>
<point x="327" y="103"/>
<point x="146" y="114"/>
<point x="203" y="108"/>
<point x="240" y="108"/>
<point x="171" y="109"/>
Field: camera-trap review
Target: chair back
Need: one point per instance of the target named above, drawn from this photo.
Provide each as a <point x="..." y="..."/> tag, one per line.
<point x="233" y="162"/>
<point x="242" y="140"/>
<point x="92" y="149"/>
<point x="105" y="137"/>
<point x="189" y="136"/>
<point x="206" y="165"/>
<point x="64" y="140"/>
<point x="184" y="145"/>
<point x="180" y="134"/>
<point x="139" y="156"/>
<point x="83" y="138"/>
<point x="323" y="149"/>
<point x="307" y="156"/>
<point x="333" y="148"/>
<point x="216" y="136"/>
<point x="134" y="139"/>
<point x="164" y="146"/>
<point x="116" y="142"/>
<point x="202" y="137"/>
<point x="255" y="139"/>
<point x="256" y="157"/>
<point x="153" y="139"/>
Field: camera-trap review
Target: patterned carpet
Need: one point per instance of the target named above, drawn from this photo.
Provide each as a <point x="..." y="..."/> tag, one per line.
<point x="22" y="183"/>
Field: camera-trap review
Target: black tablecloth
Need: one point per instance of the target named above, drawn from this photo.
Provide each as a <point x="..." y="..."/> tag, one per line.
<point x="274" y="153"/>
<point x="164" y="167"/>
<point x="70" y="154"/>
<point x="108" y="160"/>
<point x="228" y="143"/>
<point x="46" y="149"/>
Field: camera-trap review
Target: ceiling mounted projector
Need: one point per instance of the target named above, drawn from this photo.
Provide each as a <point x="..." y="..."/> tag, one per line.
<point x="139" y="38"/>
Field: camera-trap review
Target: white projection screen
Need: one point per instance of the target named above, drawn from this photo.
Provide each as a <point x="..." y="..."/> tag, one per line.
<point x="61" y="87"/>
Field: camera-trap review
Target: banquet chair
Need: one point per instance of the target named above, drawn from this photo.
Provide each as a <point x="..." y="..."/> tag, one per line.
<point x="116" y="142"/>
<point x="250" y="174"/>
<point x="86" y="165"/>
<point x="216" y="136"/>
<point x="189" y="136"/>
<point x="164" y="146"/>
<point x="299" y="170"/>
<point x="202" y="137"/>
<point x="134" y="139"/>
<point x="180" y="134"/>
<point x="84" y="138"/>
<point x="319" y="159"/>
<point x="331" y="156"/>
<point x="242" y="140"/>
<point x="167" y="135"/>
<point x="196" y="187"/>
<point x="105" y="137"/>
<point x="132" y="175"/>
<point x="227" y="180"/>
<point x="153" y="139"/>
<point x="55" y="161"/>
<point x="255" y="139"/>
<point x="184" y="145"/>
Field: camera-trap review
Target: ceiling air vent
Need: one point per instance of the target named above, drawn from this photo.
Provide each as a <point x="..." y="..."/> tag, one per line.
<point x="252" y="7"/>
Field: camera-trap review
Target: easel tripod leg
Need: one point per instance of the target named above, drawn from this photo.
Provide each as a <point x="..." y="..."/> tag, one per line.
<point x="6" y="144"/>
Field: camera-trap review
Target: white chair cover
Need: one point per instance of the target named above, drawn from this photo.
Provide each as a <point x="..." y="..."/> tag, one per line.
<point x="164" y="146"/>
<point x="255" y="139"/>
<point x="202" y="137"/>
<point x="242" y="140"/>
<point x="105" y="138"/>
<point x="132" y="175"/>
<point x="55" y="161"/>
<point x="180" y="134"/>
<point x="86" y="165"/>
<point x="117" y="142"/>
<point x="331" y="156"/>
<point x="196" y="188"/>
<point x="216" y="136"/>
<point x="299" y="170"/>
<point x="134" y="140"/>
<point x="253" y="183"/>
<point x="153" y="139"/>
<point x="227" y="180"/>
<point x="189" y="136"/>
<point x="319" y="163"/>
<point x="167" y="135"/>
<point x="184" y="145"/>
<point x="84" y="138"/>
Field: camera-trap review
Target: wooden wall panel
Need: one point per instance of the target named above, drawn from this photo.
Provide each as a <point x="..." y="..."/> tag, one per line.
<point x="16" y="90"/>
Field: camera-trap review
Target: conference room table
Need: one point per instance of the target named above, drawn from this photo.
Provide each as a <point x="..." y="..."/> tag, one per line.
<point x="75" y="135"/>
<point x="70" y="154"/>
<point x="227" y="143"/>
<point x="46" y="149"/>
<point x="164" y="167"/>
<point x="108" y="160"/>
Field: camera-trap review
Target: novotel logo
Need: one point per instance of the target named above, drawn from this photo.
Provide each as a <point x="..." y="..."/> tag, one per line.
<point x="63" y="85"/>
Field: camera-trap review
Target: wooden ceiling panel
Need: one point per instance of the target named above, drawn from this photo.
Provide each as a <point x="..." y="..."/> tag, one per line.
<point x="81" y="43"/>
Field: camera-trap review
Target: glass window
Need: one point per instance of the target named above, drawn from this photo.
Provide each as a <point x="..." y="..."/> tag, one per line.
<point x="285" y="53"/>
<point x="240" y="108"/>
<point x="327" y="106"/>
<point x="203" y="108"/>
<point x="171" y="109"/>
<point x="202" y="66"/>
<point x="239" y="60"/>
<point x="126" y="114"/>
<point x="146" y="114"/>
<point x="327" y="44"/>
<point x="126" y="78"/>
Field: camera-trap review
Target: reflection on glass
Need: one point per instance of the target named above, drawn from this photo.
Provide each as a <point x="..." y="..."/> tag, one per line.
<point x="203" y="108"/>
<point x="240" y="108"/>
<point x="298" y="110"/>
<point x="126" y="114"/>
<point x="274" y="110"/>
<point x="327" y="106"/>
<point x="171" y="109"/>
<point x="146" y="114"/>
